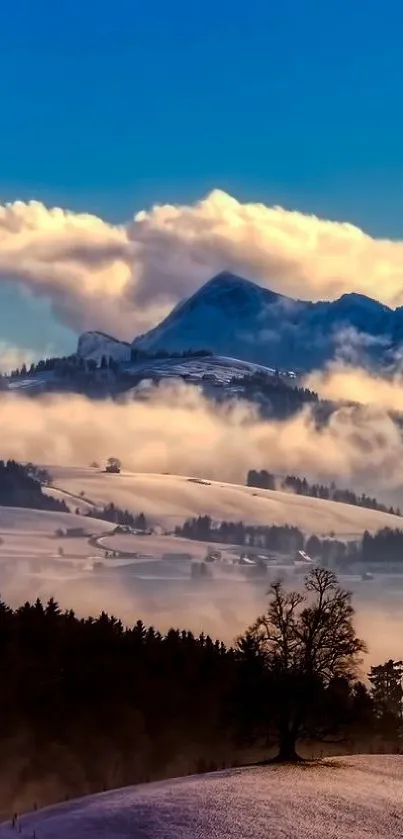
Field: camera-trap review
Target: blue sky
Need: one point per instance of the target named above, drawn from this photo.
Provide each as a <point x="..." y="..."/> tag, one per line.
<point x="110" y="107"/>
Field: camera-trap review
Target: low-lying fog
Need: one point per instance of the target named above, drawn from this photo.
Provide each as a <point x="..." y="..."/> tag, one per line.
<point x="176" y="430"/>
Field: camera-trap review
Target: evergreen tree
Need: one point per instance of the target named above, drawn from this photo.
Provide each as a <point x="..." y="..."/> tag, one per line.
<point x="387" y="694"/>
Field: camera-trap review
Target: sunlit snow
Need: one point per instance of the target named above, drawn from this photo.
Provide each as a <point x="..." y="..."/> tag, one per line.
<point x="343" y="798"/>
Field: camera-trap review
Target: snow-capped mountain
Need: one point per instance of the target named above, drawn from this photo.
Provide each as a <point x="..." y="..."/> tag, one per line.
<point x="93" y="345"/>
<point x="234" y="317"/>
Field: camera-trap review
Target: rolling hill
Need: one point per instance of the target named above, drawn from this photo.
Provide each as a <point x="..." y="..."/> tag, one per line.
<point x="360" y="797"/>
<point x="169" y="499"/>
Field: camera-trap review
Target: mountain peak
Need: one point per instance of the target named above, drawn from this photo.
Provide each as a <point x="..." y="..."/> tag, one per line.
<point x="233" y="316"/>
<point x="232" y="292"/>
<point x="354" y="298"/>
<point x="226" y="278"/>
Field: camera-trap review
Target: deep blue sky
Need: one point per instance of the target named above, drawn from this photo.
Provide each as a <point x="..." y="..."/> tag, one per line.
<point x="111" y="106"/>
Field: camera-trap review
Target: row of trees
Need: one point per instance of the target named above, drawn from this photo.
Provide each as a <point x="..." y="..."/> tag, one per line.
<point x="92" y="704"/>
<point x="385" y="546"/>
<point x="114" y="514"/>
<point x="300" y="486"/>
<point x="65" y="364"/>
<point x="46" y="365"/>
<point x="283" y="538"/>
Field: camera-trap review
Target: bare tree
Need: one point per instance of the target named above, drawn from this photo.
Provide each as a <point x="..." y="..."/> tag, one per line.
<point x="309" y="647"/>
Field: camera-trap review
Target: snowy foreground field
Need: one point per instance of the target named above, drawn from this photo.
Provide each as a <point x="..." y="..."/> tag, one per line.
<point x="169" y="499"/>
<point x="357" y="797"/>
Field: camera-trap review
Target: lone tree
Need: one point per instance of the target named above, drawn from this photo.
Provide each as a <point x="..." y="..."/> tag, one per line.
<point x="113" y="465"/>
<point x="309" y="652"/>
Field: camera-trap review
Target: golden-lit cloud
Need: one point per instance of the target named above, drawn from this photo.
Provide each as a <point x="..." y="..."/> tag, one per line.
<point x="124" y="278"/>
<point x="177" y="430"/>
<point x="355" y="384"/>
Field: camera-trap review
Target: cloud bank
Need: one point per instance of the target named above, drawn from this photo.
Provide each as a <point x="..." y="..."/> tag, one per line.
<point x="354" y="384"/>
<point x="123" y="278"/>
<point x="177" y="430"/>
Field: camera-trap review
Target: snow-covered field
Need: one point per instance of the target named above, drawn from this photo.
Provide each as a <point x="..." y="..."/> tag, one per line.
<point x="340" y="798"/>
<point x="43" y="523"/>
<point x="169" y="499"/>
<point x="217" y="368"/>
<point x="28" y="533"/>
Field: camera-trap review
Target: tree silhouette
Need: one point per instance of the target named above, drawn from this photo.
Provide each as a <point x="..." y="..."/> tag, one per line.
<point x="309" y="648"/>
<point x="387" y="694"/>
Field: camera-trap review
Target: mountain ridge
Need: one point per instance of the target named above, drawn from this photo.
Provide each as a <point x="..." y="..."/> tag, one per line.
<point x="234" y="316"/>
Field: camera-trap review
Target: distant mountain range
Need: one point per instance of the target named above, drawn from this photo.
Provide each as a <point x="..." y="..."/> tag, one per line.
<point x="233" y="317"/>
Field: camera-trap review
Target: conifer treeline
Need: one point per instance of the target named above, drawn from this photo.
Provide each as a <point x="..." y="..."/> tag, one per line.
<point x="263" y="479"/>
<point x="21" y="486"/>
<point x="384" y="546"/>
<point x="91" y="704"/>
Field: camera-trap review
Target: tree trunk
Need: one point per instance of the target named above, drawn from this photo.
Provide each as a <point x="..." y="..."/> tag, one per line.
<point x="287" y="748"/>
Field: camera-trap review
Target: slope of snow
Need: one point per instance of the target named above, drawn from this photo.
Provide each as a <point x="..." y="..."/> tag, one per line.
<point x="357" y="797"/>
<point x="96" y="344"/>
<point x="30" y="535"/>
<point x="44" y="522"/>
<point x="169" y="499"/>
<point x="218" y="369"/>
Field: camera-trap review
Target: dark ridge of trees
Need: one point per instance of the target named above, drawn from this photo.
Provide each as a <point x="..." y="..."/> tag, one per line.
<point x="64" y="365"/>
<point x="45" y="365"/>
<point x="300" y="486"/>
<point x="92" y="704"/>
<point x="21" y="486"/>
<point x="114" y="514"/>
<point x="283" y="538"/>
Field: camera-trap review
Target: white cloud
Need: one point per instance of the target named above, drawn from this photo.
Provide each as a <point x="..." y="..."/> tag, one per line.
<point x="122" y="279"/>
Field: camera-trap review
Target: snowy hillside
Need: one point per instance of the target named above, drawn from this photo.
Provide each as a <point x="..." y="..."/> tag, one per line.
<point x="220" y="367"/>
<point x="93" y="345"/>
<point x="234" y="317"/>
<point x="169" y="499"/>
<point x="360" y="797"/>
